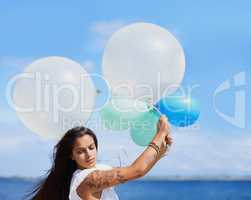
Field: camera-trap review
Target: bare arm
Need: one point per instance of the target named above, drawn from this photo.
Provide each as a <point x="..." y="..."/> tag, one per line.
<point x="99" y="179"/>
<point x="149" y="157"/>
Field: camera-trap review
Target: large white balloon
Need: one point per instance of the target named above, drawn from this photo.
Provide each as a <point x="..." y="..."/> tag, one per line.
<point x="143" y="61"/>
<point x="52" y="95"/>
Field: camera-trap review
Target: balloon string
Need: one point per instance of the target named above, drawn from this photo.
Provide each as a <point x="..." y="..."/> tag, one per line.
<point x="158" y="111"/>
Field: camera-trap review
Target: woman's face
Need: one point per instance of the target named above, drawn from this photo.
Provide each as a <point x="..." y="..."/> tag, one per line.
<point x="84" y="152"/>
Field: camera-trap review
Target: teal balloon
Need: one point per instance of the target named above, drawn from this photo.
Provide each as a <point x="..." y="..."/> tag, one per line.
<point x="144" y="127"/>
<point x="181" y="112"/>
<point x="118" y="113"/>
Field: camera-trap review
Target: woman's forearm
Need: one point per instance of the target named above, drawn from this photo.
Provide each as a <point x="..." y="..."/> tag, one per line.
<point x="147" y="159"/>
<point x="153" y="153"/>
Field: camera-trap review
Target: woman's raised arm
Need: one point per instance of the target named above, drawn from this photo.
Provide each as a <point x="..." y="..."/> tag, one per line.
<point x="100" y="179"/>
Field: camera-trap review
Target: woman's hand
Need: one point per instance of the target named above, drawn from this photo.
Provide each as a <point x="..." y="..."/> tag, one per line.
<point x="163" y="138"/>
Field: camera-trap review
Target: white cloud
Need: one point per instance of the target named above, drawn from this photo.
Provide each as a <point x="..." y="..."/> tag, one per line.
<point x="106" y="28"/>
<point x="10" y="144"/>
<point x="7" y="61"/>
<point x="204" y="154"/>
<point x="102" y="31"/>
<point x="15" y="136"/>
<point x="19" y="146"/>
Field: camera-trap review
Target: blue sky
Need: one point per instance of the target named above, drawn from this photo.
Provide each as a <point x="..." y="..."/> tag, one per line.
<point x="215" y="36"/>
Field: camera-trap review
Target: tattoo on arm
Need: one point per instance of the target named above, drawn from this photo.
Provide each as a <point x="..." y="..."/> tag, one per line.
<point x="99" y="180"/>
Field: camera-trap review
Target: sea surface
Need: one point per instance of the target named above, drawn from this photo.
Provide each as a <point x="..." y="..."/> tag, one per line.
<point x="15" y="188"/>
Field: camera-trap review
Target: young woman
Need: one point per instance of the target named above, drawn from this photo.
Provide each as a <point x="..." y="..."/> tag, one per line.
<point x="75" y="174"/>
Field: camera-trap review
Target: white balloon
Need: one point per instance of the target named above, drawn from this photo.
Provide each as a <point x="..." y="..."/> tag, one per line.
<point x="52" y="95"/>
<point x="143" y="61"/>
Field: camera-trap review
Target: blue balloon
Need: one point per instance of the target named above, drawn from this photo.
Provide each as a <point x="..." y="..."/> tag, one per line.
<point x="180" y="111"/>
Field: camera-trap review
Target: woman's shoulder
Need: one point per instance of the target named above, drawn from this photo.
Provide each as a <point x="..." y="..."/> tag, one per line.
<point x="103" y="167"/>
<point x="82" y="173"/>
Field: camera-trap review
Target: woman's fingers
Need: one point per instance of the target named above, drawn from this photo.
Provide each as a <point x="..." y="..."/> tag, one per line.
<point x="162" y="124"/>
<point x="168" y="140"/>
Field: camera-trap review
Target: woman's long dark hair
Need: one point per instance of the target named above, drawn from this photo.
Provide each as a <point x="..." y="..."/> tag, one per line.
<point x="56" y="184"/>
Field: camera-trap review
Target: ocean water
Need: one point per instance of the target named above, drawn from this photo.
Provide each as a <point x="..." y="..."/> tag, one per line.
<point x="14" y="188"/>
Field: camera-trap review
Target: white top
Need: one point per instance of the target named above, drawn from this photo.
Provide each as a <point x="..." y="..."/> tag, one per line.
<point x="79" y="175"/>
